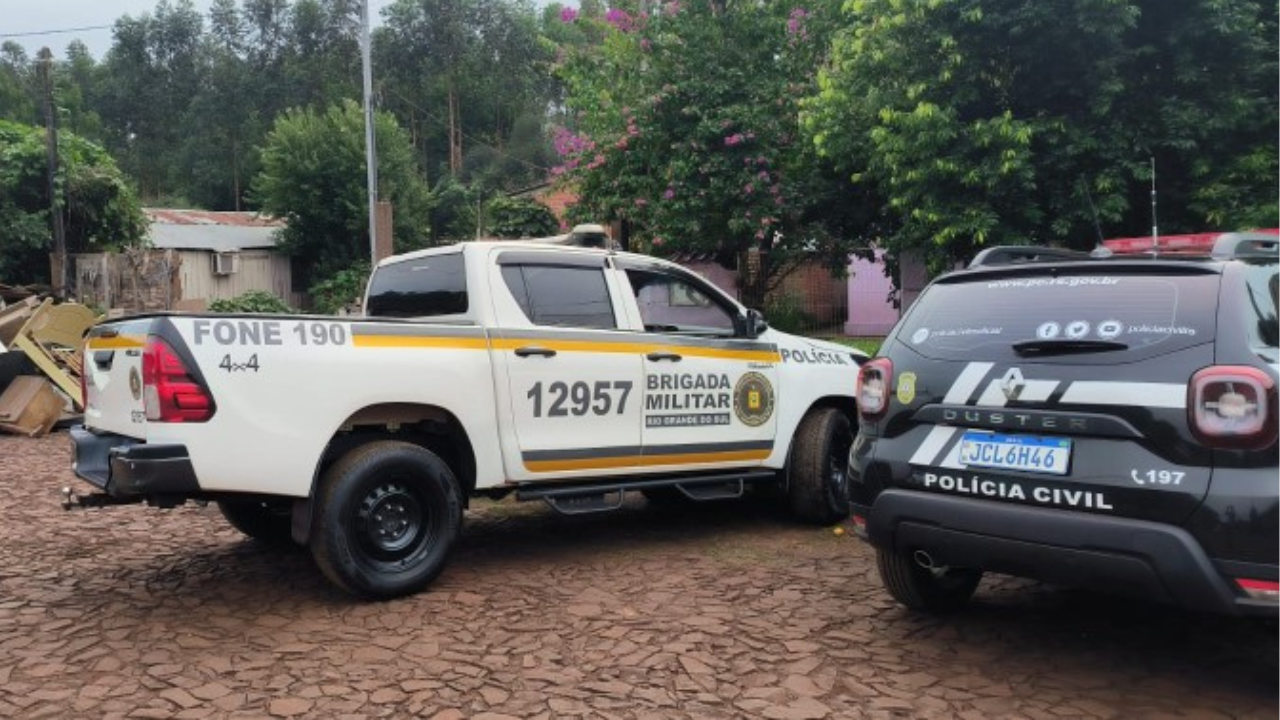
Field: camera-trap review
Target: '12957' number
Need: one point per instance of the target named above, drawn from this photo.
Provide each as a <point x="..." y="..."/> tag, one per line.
<point x="581" y="398"/>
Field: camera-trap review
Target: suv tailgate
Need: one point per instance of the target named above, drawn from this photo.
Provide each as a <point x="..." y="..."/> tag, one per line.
<point x="113" y="378"/>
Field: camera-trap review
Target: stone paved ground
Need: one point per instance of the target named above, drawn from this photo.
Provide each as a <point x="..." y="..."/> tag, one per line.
<point x="714" y="612"/>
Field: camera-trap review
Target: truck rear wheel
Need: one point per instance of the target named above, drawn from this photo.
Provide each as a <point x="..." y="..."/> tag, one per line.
<point x="818" y="473"/>
<point x="388" y="514"/>
<point x="924" y="588"/>
<point x="268" y="523"/>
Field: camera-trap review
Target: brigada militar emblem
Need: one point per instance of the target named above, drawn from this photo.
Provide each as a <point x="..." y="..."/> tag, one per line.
<point x="753" y="399"/>
<point x="135" y="383"/>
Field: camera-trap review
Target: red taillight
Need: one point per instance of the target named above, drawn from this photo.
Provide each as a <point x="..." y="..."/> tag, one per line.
<point x="169" y="391"/>
<point x="1232" y="406"/>
<point x="1260" y="589"/>
<point x="875" y="378"/>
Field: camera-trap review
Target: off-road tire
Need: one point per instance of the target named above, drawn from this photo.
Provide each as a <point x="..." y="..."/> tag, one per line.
<point x="936" y="592"/>
<point x="818" y="470"/>
<point x="388" y="513"/>
<point x="268" y="523"/>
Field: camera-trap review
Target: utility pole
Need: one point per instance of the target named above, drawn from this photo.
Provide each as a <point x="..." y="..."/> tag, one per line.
<point x="370" y="145"/>
<point x="51" y="147"/>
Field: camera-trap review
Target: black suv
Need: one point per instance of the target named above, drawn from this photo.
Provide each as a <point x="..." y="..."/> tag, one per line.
<point x="1106" y="423"/>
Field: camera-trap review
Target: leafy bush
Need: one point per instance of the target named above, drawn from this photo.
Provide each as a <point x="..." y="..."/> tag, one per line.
<point x="785" y="313"/>
<point x="341" y="288"/>
<point x="254" y="301"/>
<point x="520" y="218"/>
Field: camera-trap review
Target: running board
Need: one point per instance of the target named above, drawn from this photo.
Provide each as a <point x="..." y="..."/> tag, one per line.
<point x="607" y="495"/>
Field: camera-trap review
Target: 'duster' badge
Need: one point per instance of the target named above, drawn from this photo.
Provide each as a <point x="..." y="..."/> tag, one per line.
<point x="753" y="399"/>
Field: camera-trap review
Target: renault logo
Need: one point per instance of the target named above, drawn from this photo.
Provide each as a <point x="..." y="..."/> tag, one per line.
<point x="1012" y="384"/>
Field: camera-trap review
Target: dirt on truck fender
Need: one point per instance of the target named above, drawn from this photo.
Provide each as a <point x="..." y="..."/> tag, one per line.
<point x="563" y="374"/>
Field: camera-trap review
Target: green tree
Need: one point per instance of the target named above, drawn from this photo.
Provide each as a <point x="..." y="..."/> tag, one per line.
<point x="974" y="134"/>
<point x="519" y="218"/>
<point x="687" y="127"/>
<point x="313" y="176"/>
<point x="100" y="210"/>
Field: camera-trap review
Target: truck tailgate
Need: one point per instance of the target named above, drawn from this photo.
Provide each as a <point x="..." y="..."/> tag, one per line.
<point x="113" y="378"/>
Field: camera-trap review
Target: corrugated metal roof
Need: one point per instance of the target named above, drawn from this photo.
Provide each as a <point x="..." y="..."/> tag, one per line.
<point x="214" y="231"/>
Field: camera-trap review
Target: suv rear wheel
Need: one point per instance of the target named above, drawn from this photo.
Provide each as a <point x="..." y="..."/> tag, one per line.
<point x="915" y="582"/>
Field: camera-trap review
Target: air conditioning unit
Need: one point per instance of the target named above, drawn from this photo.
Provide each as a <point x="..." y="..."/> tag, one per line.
<point x="226" y="263"/>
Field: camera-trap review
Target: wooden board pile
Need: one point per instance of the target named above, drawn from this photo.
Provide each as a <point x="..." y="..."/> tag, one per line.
<point x="41" y="360"/>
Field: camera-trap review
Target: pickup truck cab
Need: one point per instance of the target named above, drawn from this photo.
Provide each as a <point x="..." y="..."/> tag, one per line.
<point x="566" y="374"/>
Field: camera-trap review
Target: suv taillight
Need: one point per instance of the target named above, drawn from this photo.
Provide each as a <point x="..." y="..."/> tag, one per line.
<point x="1232" y="406"/>
<point x="169" y="391"/>
<point x="875" y="378"/>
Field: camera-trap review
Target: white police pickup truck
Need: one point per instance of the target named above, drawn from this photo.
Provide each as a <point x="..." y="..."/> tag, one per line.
<point x="566" y="374"/>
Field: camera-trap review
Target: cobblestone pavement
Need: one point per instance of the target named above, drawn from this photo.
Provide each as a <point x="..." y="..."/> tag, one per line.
<point x="720" y="611"/>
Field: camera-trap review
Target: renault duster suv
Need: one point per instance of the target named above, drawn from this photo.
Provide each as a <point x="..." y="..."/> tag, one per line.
<point x="1100" y="423"/>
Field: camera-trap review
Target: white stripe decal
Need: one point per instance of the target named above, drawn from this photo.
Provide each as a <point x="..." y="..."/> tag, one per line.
<point x="964" y="385"/>
<point x="1162" y="395"/>
<point x="937" y="439"/>
<point x="1032" y="391"/>
<point x="952" y="460"/>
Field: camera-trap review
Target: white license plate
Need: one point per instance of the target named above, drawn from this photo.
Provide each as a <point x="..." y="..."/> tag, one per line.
<point x="1024" y="453"/>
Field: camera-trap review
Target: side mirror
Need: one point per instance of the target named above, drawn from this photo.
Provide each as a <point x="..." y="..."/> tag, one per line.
<point x="755" y="323"/>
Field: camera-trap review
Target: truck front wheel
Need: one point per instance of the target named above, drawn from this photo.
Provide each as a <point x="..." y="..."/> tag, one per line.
<point x="388" y="514"/>
<point x="818" y="472"/>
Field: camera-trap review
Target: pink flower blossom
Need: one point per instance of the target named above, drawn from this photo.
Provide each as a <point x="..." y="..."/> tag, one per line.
<point x="620" y="19"/>
<point x="669" y="194"/>
<point x="645" y="45"/>
<point x="671" y="9"/>
<point x="641" y="202"/>
<point x="568" y="15"/>
<point x="748" y="188"/>
<point x="657" y="242"/>
<point x="734" y="139"/>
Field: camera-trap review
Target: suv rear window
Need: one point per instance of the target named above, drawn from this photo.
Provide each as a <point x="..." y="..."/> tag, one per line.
<point x="1151" y="314"/>
<point x="1261" y="282"/>
<point x="421" y="287"/>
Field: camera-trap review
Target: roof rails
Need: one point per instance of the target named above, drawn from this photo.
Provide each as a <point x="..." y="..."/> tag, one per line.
<point x="1240" y="246"/>
<point x="1014" y="254"/>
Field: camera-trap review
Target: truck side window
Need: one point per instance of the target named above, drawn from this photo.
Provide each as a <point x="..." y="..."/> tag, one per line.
<point x="423" y="287"/>
<point x="561" y="296"/>
<point x="669" y="303"/>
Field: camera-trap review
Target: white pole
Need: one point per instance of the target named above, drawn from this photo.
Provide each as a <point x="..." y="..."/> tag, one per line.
<point x="1155" y="234"/>
<point x="370" y="146"/>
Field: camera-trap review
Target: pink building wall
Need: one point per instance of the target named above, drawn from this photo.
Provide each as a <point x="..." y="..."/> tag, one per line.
<point x="870" y="311"/>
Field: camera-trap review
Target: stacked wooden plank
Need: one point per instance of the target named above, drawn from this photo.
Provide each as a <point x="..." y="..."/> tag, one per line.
<point x="42" y="385"/>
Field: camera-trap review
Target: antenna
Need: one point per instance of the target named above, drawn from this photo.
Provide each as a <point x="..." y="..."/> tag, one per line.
<point x="1155" y="234"/>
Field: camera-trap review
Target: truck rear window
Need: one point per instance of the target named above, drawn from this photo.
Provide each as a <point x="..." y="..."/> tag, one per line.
<point x="1151" y="314"/>
<point x="421" y="287"/>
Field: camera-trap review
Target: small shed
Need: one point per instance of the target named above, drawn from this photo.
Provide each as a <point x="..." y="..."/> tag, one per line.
<point x="192" y="257"/>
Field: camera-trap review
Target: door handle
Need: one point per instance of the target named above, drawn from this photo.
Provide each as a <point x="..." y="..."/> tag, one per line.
<point x="660" y="356"/>
<point x="104" y="358"/>
<point x="531" y="350"/>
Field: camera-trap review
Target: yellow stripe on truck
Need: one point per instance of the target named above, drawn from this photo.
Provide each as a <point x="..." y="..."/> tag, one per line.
<point x="587" y="346"/>
<point x="418" y="341"/>
<point x="119" y="342"/>
<point x="637" y="348"/>
<point x="608" y="463"/>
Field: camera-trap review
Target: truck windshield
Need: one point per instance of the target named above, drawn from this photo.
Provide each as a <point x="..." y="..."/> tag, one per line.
<point x="421" y="287"/>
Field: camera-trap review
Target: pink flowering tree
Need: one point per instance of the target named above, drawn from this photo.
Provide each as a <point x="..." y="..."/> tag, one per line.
<point x="685" y="122"/>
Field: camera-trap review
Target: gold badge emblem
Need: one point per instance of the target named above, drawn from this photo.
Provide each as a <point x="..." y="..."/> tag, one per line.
<point x="906" y="388"/>
<point x="753" y="399"/>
